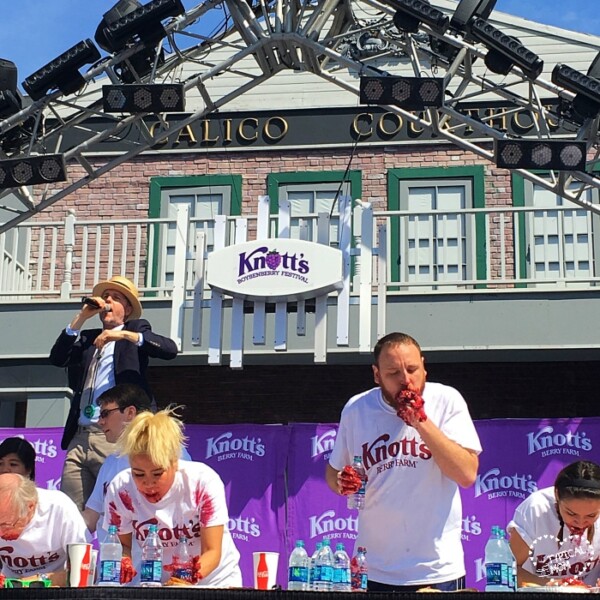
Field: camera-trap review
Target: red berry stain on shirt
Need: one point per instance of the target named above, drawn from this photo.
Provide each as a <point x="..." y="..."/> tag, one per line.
<point x="126" y="500"/>
<point x="115" y="519"/>
<point x="206" y="506"/>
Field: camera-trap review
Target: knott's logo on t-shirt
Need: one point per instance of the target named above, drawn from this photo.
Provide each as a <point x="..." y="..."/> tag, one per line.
<point x="329" y="525"/>
<point x="380" y="451"/>
<point x="550" y="442"/>
<point x="26" y="563"/>
<point x="496" y="485"/>
<point x="322" y="444"/>
<point x="226" y="447"/>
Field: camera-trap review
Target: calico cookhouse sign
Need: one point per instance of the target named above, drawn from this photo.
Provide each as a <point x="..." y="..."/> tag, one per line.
<point x="275" y="270"/>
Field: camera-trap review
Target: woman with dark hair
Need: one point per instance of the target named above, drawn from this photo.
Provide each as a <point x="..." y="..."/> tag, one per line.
<point x="554" y="533"/>
<point x="17" y="456"/>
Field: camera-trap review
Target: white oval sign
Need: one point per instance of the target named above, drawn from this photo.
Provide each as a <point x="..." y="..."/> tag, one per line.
<point x="275" y="270"/>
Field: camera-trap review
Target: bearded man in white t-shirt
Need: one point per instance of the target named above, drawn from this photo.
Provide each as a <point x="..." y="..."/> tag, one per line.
<point x="418" y="445"/>
<point x="35" y="527"/>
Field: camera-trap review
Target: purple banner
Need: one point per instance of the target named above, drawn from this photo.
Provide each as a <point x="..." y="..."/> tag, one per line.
<point x="314" y="511"/>
<point x="49" y="456"/>
<point x="519" y="456"/>
<point x="251" y="460"/>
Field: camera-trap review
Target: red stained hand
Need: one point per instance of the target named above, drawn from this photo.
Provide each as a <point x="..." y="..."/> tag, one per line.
<point x="196" y="574"/>
<point x="2" y="581"/>
<point x="410" y="407"/>
<point x="349" y="481"/>
<point x="127" y="570"/>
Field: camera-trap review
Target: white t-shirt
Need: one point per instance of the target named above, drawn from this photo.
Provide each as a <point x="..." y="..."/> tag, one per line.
<point x="411" y="523"/>
<point x="196" y="499"/>
<point x="111" y="467"/>
<point x="536" y="521"/>
<point x="42" y="547"/>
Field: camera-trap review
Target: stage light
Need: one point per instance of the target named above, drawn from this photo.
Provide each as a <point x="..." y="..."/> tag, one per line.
<point x="144" y="98"/>
<point x="30" y="170"/>
<point x="504" y="51"/>
<point x="119" y="10"/>
<point x="558" y="155"/>
<point x="63" y="72"/>
<point x="10" y="100"/>
<point x="585" y="87"/>
<point x="410" y="93"/>
<point x="143" y="22"/>
<point x="411" y="13"/>
<point x="467" y="10"/>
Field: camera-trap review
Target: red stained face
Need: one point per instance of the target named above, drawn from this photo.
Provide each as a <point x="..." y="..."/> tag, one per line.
<point x="11" y="525"/>
<point x="152" y="481"/>
<point x="399" y="367"/>
<point x="579" y="513"/>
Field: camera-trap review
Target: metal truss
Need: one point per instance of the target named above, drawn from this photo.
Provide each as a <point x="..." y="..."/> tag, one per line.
<point x="328" y="38"/>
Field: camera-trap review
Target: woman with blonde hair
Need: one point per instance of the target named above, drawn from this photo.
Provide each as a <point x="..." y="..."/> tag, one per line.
<point x="182" y="498"/>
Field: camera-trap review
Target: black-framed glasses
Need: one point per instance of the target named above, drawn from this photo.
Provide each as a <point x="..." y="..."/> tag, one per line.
<point x="106" y="411"/>
<point x="27" y="583"/>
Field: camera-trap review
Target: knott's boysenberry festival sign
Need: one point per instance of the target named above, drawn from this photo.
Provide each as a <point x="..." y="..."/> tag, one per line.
<point x="275" y="270"/>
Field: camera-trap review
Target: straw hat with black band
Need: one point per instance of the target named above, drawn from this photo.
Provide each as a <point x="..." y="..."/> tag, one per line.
<point x="127" y="288"/>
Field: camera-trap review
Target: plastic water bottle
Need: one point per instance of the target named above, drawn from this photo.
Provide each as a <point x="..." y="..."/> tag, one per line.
<point x="511" y="562"/>
<point x="357" y="500"/>
<point x="496" y="568"/>
<point x="298" y="568"/>
<point x="111" y="554"/>
<point x="359" y="570"/>
<point x="152" y="554"/>
<point x="182" y="563"/>
<point x="341" y="570"/>
<point x="325" y="566"/>
<point x="313" y="568"/>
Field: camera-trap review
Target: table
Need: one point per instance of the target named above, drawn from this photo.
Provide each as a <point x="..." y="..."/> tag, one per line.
<point x="180" y="593"/>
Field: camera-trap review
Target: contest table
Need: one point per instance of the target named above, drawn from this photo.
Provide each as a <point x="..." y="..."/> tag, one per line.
<point x="181" y="593"/>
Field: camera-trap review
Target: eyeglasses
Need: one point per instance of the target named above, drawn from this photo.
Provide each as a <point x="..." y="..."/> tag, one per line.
<point x="27" y="583"/>
<point x="105" y="412"/>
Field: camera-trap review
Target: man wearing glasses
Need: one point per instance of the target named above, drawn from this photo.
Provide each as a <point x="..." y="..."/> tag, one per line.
<point x="97" y="360"/>
<point x="35" y="527"/>
<point x="118" y="407"/>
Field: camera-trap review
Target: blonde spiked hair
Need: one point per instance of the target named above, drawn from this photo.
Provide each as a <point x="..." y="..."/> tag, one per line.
<point x="158" y="436"/>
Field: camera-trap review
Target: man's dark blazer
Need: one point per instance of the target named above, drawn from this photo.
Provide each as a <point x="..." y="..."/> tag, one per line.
<point x="130" y="362"/>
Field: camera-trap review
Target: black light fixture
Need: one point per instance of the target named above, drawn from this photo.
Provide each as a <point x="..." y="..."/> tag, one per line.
<point x="10" y="100"/>
<point x="585" y="87"/>
<point x="410" y="93"/>
<point x="467" y="10"/>
<point x="411" y="13"/>
<point x="31" y="170"/>
<point x="63" y="72"/>
<point x="558" y="155"/>
<point x="143" y="22"/>
<point x="144" y="98"/>
<point x="504" y="51"/>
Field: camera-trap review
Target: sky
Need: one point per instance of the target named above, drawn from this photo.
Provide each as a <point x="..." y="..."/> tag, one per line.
<point x="35" y="32"/>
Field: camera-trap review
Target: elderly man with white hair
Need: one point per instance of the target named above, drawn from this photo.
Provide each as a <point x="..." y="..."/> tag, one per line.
<point x="35" y="527"/>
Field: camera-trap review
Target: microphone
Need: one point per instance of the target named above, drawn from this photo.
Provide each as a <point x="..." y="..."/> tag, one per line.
<point x="94" y="303"/>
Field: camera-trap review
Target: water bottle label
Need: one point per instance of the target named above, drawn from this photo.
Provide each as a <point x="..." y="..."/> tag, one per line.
<point x="299" y="574"/>
<point x="493" y="573"/>
<point x="151" y="571"/>
<point x="110" y="571"/>
<point x="315" y="574"/>
<point x="338" y="575"/>
<point x="326" y="573"/>
<point x="364" y="579"/>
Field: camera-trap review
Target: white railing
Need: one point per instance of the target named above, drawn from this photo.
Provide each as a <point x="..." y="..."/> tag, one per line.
<point x="429" y="251"/>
